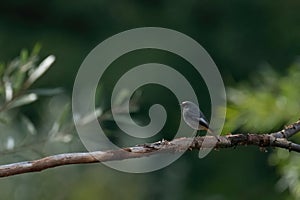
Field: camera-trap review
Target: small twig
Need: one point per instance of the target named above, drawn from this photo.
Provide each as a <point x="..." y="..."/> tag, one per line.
<point x="289" y="131"/>
<point x="164" y="146"/>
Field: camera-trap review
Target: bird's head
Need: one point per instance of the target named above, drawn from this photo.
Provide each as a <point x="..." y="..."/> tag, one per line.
<point x="187" y="105"/>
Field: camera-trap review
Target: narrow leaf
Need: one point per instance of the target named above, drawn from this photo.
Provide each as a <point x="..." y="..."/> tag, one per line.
<point x="36" y="49"/>
<point x="90" y="117"/>
<point x="29" y="126"/>
<point x="60" y="121"/>
<point x="47" y="91"/>
<point x="8" y="89"/>
<point x="10" y="144"/>
<point x="121" y="97"/>
<point x="24" y="55"/>
<point x="40" y="70"/>
<point x="23" y="100"/>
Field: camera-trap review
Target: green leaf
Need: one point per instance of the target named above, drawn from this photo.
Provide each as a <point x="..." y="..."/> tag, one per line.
<point x="10" y="143"/>
<point x="60" y="121"/>
<point x="36" y="50"/>
<point x="18" y="79"/>
<point x="8" y="89"/>
<point x="64" y="114"/>
<point x="121" y="97"/>
<point x="56" y="133"/>
<point x="24" y="55"/>
<point x="47" y="91"/>
<point x="89" y="117"/>
<point x="23" y="100"/>
<point x="28" y="125"/>
<point x="40" y="70"/>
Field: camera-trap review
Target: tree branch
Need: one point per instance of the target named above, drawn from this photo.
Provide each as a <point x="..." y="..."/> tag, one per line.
<point x="277" y="139"/>
<point x="288" y="131"/>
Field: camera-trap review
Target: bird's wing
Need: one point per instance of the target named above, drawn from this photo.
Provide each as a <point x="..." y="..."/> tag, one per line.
<point x="203" y="122"/>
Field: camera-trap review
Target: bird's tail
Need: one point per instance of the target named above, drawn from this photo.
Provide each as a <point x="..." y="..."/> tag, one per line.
<point x="209" y="131"/>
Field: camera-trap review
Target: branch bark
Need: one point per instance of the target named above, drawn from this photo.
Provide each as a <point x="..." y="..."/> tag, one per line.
<point x="277" y="139"/>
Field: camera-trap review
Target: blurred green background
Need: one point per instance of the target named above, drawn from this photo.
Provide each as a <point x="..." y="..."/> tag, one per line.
<point x="255" y="45"/>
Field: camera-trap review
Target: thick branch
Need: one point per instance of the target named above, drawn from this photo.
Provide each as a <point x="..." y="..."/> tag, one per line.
<point x="277" y="139"/>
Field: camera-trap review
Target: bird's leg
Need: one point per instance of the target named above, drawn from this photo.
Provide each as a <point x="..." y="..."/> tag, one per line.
<point x="212" y="133"/>
<point x="195" y="133"/>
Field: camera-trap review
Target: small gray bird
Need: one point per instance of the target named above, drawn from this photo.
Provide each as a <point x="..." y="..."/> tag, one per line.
<point x="194" y="117"/>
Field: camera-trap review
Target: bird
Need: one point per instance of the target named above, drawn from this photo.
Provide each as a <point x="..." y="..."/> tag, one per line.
<point x="193" y="116"/>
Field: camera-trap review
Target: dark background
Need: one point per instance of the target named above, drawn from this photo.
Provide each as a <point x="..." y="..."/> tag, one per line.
<point x="240" y="36"/>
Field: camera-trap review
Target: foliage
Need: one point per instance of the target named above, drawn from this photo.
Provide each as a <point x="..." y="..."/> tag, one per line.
<point x="268" y="102"/>
<point x="16" y="94"/>
<point x="55" y="124"/>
